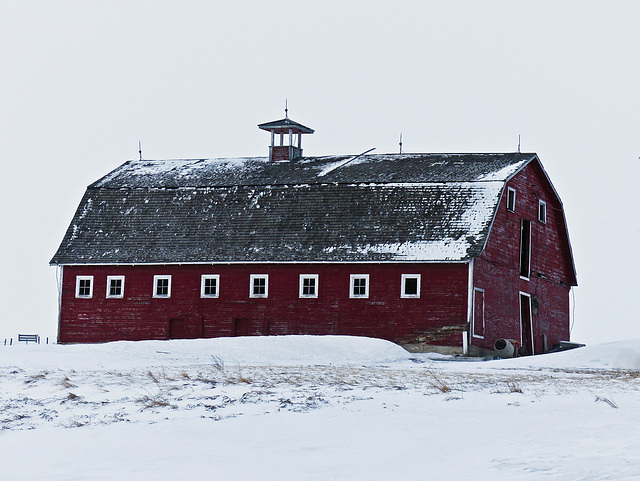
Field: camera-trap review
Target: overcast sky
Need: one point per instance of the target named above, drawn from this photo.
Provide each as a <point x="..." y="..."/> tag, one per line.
<point x="83" y="81"/>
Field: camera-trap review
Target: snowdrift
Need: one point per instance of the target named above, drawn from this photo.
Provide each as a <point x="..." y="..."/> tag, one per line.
<point x="289" y="351"/>
<point x="248" y="351"/>
<point x="610" y="355"/>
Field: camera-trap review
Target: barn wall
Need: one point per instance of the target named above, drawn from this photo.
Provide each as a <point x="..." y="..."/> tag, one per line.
<point x="497" y="270"/>
<point x="437" y="317"/>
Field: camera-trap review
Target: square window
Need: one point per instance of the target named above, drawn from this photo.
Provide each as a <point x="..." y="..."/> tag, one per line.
<point x="84" y="286"/>
<point x="259" y="285"/>
<point x="210" y="285"/>
<point x="359" y="286"/>
<point x="308" y="285"/>
<point x="161" y="286"/>
<point x="511" y="199"/>
<point x="115" y="286"/>
<point x="410" y="285"/>
<point x="542" y="211"/>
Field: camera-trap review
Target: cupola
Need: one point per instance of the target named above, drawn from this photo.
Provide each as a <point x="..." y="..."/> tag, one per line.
<point x="284" y="127"/>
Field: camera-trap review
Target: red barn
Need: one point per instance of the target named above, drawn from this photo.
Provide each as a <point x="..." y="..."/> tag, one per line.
<point x="446" y="252"/>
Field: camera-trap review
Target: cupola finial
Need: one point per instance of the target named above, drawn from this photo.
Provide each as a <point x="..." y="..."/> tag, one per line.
<point x="286" y="108"/>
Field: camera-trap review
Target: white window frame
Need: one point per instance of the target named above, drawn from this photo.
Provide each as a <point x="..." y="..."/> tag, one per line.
<point x="403" y="291"/>
<point x="315" y="278"/>
<point x="510" y="191"/>
<point x="542" y="211"/>
<point x="115" y="278"/>
<point x="253" y="278"/>
<point x="203" y="280"/>
<point x="352" y="293"/>
<point x="155" y="287"/>
<point x="84" y="278"/>
<point x="533" y="341"/>
<point x="473" y="314"/>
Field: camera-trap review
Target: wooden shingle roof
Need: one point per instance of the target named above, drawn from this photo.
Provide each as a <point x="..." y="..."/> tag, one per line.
<point x="373" y="208"/>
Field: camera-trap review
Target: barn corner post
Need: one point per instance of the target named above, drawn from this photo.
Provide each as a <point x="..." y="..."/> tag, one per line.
<point x="59" y="278"/>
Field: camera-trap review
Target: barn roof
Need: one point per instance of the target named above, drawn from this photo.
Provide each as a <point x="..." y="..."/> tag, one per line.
<point x="372" y="208"/>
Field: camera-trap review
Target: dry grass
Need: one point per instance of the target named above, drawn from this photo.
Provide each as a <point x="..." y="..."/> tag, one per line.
<point x="72" y="397"/>
<point x="436" y="379"/>
<point x="149" y="401"/>
<point x="515" y="387"/>
<point x="66" y="383"/>
<point x="36" y="377"/>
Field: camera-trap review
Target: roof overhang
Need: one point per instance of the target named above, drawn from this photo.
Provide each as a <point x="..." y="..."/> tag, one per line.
<point x="285" y="125"/>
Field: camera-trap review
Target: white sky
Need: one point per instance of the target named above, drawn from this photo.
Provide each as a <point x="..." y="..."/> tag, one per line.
<point x="83" y="81"/>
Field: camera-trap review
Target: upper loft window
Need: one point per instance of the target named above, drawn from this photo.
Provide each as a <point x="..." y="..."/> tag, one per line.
<point x="115" y="287"/>
<point x="359" y="286"/>
<point x="210" y="285"/>
<point x="511" y="199"/>
<point x="525" y="248"/>
<point x="161" y="286"/>
<point x="84" y="286"/>
<point x="259" y="286"/>
<point x="308" y="285"/>
<point x="410" y="286"/>
<point x="542" y="211"/>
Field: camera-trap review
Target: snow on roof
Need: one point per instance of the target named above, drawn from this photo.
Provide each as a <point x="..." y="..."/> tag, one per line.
<point x="345" y="168"/>
<point x="392" y="207"/>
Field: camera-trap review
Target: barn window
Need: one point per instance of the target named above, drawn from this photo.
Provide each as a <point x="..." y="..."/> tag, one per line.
<point x="115" y="286"/>
<point x="161" y="286"/>
<point x="525" y="248"/>
<point x="210" y="285"/>
<point x="259" y="285"/>
<point x="511" y="199"/>
<point x="308" y="285"/>
<point x="84" y="286"/>
<point x="359" y="285"/>
<point x="542" y="211"/>
<point x="478" y="313"/>
<point x="410" y="285"/>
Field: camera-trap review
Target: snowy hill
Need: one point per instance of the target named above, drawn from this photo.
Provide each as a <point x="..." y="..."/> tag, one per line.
<point x="314" y="408"/>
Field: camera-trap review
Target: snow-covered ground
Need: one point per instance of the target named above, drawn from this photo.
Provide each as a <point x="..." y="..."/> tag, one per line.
<point x="314" y="408"/>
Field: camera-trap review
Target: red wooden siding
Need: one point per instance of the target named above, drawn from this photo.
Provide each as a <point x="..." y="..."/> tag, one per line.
<point x="497" y="270"/>
<point x="438" y="316"/>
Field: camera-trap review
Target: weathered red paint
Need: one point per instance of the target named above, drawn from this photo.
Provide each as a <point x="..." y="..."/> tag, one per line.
<point x="138" y="315"/>
<point x="497" y="270"/>
<point x="440" y="316"/>
<point x="285" y="152"/>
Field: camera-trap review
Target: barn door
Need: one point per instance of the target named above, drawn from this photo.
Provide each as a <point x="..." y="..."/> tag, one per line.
<point x="177" y="329"/>
<point x="478" y="312"/>
<point x="241" y="327"/>
<point x="526" y="326"/>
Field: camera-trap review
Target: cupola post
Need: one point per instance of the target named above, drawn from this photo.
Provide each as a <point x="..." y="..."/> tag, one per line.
<point x="282" y="127"/>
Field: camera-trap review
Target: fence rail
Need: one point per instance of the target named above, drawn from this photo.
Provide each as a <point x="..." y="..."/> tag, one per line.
<point x="26" y="338"/>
